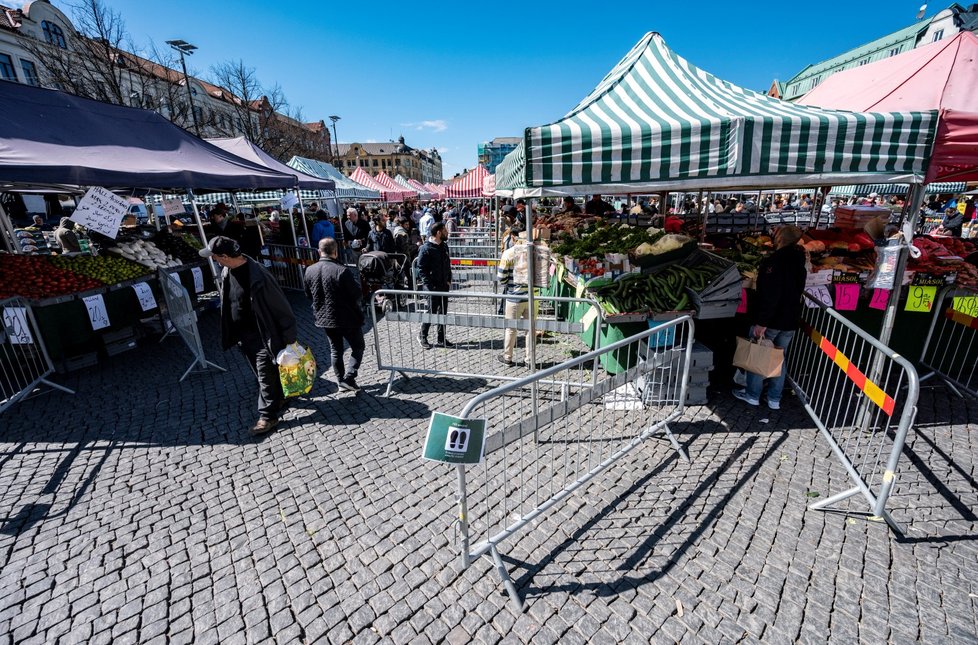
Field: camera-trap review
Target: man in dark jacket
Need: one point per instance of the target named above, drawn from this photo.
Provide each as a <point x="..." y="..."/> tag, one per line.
<point x="435" y="274"/>
<point x="335" y="297"/>
<point x="257" y="317"/>
<point x="780" y="283"/>
<point x="380" y="239"/>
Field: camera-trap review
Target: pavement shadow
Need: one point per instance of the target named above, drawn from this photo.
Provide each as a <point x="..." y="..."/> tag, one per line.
<point x="642" y="552"/>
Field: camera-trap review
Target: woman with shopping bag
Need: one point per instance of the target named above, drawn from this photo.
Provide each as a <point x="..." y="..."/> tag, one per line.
<point x="780" y="284"/>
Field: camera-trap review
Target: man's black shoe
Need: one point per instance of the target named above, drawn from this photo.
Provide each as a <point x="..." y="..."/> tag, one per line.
<point x="349" y="384"/>
<point x="445" y="343"/>
<point x="505" y="361"/>
<point x="424" y="343"/>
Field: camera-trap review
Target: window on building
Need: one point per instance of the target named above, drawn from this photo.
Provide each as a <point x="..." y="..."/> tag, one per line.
<point x="815" y="81"/>
<point x="30" y="73"/>
<point x="53" y="34"/>
<point x="375" y="165"/>
<point x="7" y="71"/>
<point x="383" y="163"/>
<point x="862" y="62"/>
<point x="937" y="35"/>
<point x="894" y="51"/>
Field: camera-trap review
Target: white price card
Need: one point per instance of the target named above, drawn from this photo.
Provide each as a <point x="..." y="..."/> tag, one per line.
<point x="102" y="211"/>
<point x="16" y="327"/>
<point x="198" y="279"/>
<point x="289" y="200"/>
<point x="145" y="296"/>
<point x="173" y="206"/>
<point x="821" y="294"/>
<point x="96" y="311"/>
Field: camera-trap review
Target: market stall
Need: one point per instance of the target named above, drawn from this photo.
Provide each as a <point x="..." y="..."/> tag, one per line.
<point x="469" y="185"/>
<point x="404" y="182"/>
<point x="387" y="194"/>
<point x="386" y="181"/>
<point x="346" y="188"/>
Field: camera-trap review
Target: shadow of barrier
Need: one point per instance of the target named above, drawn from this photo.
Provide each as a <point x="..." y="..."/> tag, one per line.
<point x="24" y="361"/>
<point x="555" y="430"/>
<point x="478" y="334"/>
<point x="951" y="349"/>
<point x="861" y="395"/>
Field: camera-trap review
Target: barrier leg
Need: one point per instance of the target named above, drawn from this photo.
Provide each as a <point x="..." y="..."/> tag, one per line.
<point x="503" y="574"/>
<point x="56" y="386"/>
<point x="390" y="385"/>
<point x="664" y="429"/>
<point x="826" y="504"/>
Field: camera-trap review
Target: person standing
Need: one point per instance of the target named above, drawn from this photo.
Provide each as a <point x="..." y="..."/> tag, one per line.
<point x="597" y="206"/>
<point x="222" y="226"/>
<point x="323" y="227"/>
<point x="780" y="283"/>
<point x="355" y="232"/>
<point x="335" y="296"/>
<point x="257" y="317"/>
<point x="65" y="235"/>
<point x="380" y="239"/>
<point x="513" y="275"/>
<point x="425" y="223"/>
<point x="435" y="274"/>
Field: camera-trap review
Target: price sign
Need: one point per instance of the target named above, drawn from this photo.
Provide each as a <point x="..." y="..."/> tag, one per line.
<point x="967" y="305"/>
<point x="96" y="311"/>
<point x="288" y="201"/>
<point x="742" y="307"/>
<point x="820" y="294"/>
<point x="173" y="206"/>
<point x="921" y="298"/>
<point x="880" y="298"/>
<point x="145" y="296"/>
<point x="101" y="211"/>
<point x="846" y="297"/>
<point x="198" y="279"/>
<point x="15" y="324"/>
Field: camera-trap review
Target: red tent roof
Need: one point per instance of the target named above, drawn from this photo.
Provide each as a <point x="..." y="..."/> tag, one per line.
<point x="388" y="195"/>
<point x="468" y="186"/>
<point x="384" y="179"/>
<point x="942" y="76"/>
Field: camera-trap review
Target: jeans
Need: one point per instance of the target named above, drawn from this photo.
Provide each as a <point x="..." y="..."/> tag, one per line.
<point x="438" y="305"/>
<point x="775" y="385"/>
<point x="354" y="338"/>
<point x="262" y="363"/>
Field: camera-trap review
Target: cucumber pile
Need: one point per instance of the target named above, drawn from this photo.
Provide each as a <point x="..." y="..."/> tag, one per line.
<point x="661" y="291"/>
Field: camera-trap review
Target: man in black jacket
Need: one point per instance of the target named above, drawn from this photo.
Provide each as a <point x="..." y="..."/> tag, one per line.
<point x="257" y="317"/>
<point x="780" y="283"/>
<point x="435" y="274"/>
<point x="335" y="296"/>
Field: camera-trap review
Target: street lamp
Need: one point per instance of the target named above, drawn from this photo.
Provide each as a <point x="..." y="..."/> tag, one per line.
<point x="187" y="49"/>
<point x="336" y="142"/>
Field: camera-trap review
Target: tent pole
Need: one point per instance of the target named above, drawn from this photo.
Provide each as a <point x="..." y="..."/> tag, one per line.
<point x="531" y="339"/>
<point x="914" y="201"/>
<point x="302" y="214"/>
<point x="706" y="216"/>
<point x="200" y="228"/>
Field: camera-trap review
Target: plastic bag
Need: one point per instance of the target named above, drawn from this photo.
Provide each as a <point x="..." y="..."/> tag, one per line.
<point x="296" y="369"/>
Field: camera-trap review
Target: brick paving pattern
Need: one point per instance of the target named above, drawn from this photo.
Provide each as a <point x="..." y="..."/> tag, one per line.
<point x="140" y="510"/>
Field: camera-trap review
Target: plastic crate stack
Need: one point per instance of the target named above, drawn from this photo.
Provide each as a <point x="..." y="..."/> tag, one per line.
<point x="721" y="297"/>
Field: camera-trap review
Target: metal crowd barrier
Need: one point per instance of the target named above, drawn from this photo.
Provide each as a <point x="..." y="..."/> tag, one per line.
<point x="852" y="386"/>
<point x="472" y="236"/>
<point x="468" y="274"/>
<point x="476" y="328"/>
<point x="288" y="263"/>
<point x="550" y="433"/>
<point x="951" y="349"/>
<point x="24" y="361"/>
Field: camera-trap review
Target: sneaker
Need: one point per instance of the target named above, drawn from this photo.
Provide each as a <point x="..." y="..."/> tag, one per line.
<point x="424" y="343"/>
<point x="264" y="426"/>
<point x="445" y="343"/>
<point x="505" y="361"/>
<point x="774" y="405"/>
<point x="349" y="384"/>
<point x="742" y="395"/>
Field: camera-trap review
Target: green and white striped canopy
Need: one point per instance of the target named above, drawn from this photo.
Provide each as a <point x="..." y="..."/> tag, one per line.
<point x="656" y="122"/>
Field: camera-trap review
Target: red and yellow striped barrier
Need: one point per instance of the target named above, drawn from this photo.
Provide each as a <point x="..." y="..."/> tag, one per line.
<point x="867" y="387"/>
<point x="961" y="319"/>
<point x="463" y="262"/>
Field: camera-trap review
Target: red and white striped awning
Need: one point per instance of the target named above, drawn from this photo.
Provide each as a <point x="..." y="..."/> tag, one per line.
<point x="423" y="191"/>
<point x="388" y="194"/>
<point x="468" y="186"/>
<point x="489" y="186"/>
<point x="384" y="179"/>
<point x="438" y="189"/>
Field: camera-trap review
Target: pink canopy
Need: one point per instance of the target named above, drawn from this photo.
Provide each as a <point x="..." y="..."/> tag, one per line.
<point x="489" y="186"/>
<point x="360" y="176"/>
<point x="392" y="186"/>
<point x="941" y="76"/>
<point x="421" y="188"/>
<point x="438" y="189"/>
<point x="468" y="186"/>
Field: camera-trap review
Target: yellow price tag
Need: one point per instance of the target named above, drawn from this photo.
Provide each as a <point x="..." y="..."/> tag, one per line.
<point x="589" y="317"/>
<point x="967" y="305"/>
<point x="921" y="298"/>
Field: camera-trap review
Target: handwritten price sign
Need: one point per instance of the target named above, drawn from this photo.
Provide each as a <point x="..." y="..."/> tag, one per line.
<point x="147" y="301"/>
<point x="97" y="312"/>
<point x="880" y="298"/>
<point x="921" y="298"/>
<point x="198" y="279"/>
<point x="820" y="294"/>
<point x="967" y="305"/>
<point x="101" y="211"/>
<point x="846" y="297"/>
<point x="15" y="324"/>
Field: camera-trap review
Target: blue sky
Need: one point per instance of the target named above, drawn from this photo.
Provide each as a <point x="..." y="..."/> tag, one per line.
<point x="450" y="75"/>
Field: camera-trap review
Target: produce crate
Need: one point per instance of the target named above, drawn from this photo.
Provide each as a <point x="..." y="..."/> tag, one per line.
<point x="75" y="363"/>
<point x="723" y="285"/>
<point x="711" y="309"/>
<point x="120" y="346"/>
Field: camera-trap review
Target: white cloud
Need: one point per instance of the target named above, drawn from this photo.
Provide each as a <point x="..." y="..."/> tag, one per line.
<point x="435" y="125"/>
<point x="443" y="150"/>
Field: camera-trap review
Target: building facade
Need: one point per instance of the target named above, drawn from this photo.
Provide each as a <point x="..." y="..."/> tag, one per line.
<point x="944" y="24"/>
<point x="40" y="46"/>
<point x="393" y="158"/>
<point x="492" y="152"/>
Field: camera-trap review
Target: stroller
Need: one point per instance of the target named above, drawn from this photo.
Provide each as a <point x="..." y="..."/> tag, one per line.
<point x="380" y="270"/>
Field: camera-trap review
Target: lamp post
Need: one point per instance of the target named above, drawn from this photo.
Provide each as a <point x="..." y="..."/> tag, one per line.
<point x="186" y="49"/>
<point x="336" y="142"/>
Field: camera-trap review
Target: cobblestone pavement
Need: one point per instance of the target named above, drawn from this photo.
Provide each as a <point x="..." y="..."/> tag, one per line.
<point x="141" y="510"/>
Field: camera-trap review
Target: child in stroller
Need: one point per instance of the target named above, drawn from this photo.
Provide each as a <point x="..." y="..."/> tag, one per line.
<point x="380" y="270"/>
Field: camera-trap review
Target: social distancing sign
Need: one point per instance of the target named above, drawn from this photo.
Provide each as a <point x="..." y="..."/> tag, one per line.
<point x="453" y="440"/>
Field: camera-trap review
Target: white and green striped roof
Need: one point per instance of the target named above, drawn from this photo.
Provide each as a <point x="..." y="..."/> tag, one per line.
<point x="656" y="122"/>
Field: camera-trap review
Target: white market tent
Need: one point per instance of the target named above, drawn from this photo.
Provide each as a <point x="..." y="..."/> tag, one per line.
<point x="656" y="122"/>
<point x="346" y="188"/>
